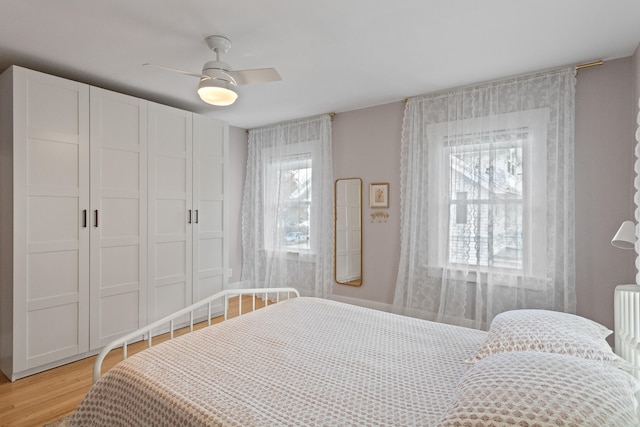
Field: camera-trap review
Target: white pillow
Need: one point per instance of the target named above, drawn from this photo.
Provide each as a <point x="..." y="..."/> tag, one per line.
<point x="547" y="331"/>
<point x="543" y="389"/>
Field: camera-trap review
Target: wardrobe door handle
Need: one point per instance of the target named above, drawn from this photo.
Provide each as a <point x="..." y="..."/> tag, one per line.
<point x="189" y="220"/>
<point x="196" y="221"/>
<point x="84" y="218"/>
<point x="96" y="219"/>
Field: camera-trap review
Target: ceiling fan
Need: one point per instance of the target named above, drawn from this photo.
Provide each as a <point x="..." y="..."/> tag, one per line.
<point x="218" y="81"/>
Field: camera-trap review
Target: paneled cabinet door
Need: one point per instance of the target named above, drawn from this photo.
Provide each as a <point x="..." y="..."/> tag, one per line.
<point x="171" y="215"/>
<point x="210" y="145"/>
<point x="51" y="195"/>
<point x="118" y="215"/>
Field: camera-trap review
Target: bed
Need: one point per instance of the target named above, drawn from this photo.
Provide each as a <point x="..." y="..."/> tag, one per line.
<point x="310" y="361"/>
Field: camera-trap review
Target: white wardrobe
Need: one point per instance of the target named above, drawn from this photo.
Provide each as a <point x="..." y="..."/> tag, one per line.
<point x="112" y="215"/>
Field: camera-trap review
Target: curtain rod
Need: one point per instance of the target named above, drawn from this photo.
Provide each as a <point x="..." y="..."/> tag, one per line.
<point x="589" y="64"/>
<point x="577" y="67"/>
<point x="331" y="116"/>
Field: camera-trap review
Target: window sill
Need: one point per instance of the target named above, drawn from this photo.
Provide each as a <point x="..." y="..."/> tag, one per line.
<point x="298" y="255"/>
<point x="495" y="277"/>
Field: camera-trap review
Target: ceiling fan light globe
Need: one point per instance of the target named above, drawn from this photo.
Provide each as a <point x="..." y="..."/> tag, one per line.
<point x="217" y="92"/>
<point x="217" y="96"/>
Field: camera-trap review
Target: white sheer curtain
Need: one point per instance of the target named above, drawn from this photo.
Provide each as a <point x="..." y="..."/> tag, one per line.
<point x="287" y="209"/>
<point x="636" y="198"/>
<point x="487" y="200"/>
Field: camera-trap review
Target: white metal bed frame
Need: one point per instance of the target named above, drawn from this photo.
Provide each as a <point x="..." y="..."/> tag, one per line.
<point x="147" y="330"/>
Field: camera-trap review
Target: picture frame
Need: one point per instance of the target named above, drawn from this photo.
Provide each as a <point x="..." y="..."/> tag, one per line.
<point x="379" y="195"/>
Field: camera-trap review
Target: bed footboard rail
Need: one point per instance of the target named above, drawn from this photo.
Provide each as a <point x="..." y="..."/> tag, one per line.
<point x="207" y="303"/>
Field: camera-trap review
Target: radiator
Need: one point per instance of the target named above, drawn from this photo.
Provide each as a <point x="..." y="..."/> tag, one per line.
<point x="627" y="323"/>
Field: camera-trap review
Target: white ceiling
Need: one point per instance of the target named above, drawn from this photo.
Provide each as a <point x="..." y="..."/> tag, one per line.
<point x="333" y="55"/>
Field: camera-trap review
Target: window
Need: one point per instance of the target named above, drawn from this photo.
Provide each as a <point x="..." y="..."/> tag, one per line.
<point x="488" y="176"/>
<point x="485" y="200"/>
<point x="288" y="199"/>
<point x="286" y="209"/>
<point x="295" y="178"/>
<point x="487" y="206"/>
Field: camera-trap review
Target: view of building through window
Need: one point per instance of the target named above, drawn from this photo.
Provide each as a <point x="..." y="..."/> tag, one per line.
<point x="486" y="203"/>
<point x="295" y="185"/>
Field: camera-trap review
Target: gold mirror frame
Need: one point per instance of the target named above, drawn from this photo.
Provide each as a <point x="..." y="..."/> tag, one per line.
<point x="347" y="242"/>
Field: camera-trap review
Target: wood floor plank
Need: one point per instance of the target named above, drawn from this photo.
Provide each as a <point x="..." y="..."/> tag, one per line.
<point x="45" y="397"/>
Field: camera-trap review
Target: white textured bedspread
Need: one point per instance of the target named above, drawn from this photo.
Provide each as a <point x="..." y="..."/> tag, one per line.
<point x="304" y="361"/>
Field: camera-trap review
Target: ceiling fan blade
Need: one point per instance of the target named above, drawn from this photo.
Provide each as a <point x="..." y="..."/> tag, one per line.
<point x="173" y="70"/>
<point x="259" y="75"/>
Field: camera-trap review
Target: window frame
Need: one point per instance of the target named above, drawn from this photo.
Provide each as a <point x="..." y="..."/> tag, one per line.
<point x="516" y="143"/>
<point x="534" y="187"/>
<point x="293" y="153"/>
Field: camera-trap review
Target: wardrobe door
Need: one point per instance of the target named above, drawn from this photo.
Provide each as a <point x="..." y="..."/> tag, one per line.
<point x="210" y="146"/>
<point x="118" y="215"/>
<point x="171" y="215"/>
<point x="51" y="242"/>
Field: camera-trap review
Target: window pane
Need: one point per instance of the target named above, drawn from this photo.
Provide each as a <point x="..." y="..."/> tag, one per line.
<point x="491" y="236"/>
<point x="485" y="202"/>
<point x="484" y="171"/>
<point x="296" y="184"/>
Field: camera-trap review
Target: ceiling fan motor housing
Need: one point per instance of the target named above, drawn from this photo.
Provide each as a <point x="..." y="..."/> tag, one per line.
<point x="218" y="70"/>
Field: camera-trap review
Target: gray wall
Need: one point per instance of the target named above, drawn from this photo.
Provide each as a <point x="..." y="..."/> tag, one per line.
<point x="366" y="144"/>
<point x="604" y="184"/>
<point x="236" y="174"/>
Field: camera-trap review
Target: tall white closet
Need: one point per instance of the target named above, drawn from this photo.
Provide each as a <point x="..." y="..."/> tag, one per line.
<point x="111" y="216"/>
<point x="187" y="244"/>
<point x="117" y="216"/>
<point x="45" y="241"/>
<point x="171" y="216"/>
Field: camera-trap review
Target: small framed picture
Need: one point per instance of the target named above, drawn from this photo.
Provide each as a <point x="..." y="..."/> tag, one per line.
<point x="379" y="195"/>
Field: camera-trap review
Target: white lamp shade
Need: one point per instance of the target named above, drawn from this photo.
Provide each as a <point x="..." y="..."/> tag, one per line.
<point x="217" y="92"/>
<point x="625" y="238"/>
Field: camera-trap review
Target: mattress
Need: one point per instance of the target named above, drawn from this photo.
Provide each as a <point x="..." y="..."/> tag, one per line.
<point x="303" y="361"/>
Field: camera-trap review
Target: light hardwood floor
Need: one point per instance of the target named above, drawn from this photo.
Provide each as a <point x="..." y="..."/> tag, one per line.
<point x="45" y="397"/>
